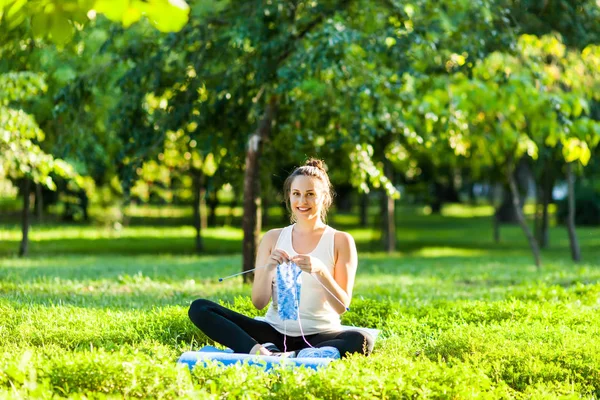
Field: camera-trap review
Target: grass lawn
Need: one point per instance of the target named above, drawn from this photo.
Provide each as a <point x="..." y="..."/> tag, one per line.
<point x="95" y="313"/>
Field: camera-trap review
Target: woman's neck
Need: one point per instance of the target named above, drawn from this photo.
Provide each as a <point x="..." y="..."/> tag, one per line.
<point x="309" y="225"/>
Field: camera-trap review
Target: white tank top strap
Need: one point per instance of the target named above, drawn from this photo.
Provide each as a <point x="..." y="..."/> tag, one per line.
<point x="327" y="244"/>
<point x="284" y="238"/>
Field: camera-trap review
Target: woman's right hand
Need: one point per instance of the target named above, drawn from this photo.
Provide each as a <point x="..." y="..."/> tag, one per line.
<point x="268" y="257"/>
<point x="277" y="257"/>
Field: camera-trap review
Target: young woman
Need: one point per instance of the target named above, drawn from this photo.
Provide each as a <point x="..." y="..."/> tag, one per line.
<point x="328" y="261"/>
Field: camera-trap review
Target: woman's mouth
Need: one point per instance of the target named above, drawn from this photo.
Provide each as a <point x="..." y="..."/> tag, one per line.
<point x="302" y="209"/>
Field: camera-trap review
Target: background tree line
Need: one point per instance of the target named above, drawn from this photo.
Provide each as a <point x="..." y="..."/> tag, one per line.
<point x="200" y="103"/>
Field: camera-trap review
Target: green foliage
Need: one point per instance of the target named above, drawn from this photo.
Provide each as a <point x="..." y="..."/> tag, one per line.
<point x="18" y="87"/>
<point x="20" y="154"/>
<point x="365" y="170"/>
<point x="60" y="20"/>
<point x="358" y="83"/>
<point x="576" y="21"/>
<point x="510" y="106"/>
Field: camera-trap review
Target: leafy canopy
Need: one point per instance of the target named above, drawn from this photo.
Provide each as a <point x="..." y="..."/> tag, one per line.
<point x="58" y="19"/>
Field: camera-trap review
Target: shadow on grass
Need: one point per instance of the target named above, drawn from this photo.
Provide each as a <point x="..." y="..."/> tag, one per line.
<point x="449" y="243"/>
<point x="417" y="235"/>
<point x="126" y="246"/>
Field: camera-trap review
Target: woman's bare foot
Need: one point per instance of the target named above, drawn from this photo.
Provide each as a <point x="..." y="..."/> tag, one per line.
<point x="260" y="350"/>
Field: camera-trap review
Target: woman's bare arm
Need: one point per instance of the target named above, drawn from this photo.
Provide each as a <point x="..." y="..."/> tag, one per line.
<point x="266" y="257"/>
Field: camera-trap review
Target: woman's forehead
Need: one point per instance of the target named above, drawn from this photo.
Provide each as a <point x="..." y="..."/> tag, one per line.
<point x="305" y="183"/>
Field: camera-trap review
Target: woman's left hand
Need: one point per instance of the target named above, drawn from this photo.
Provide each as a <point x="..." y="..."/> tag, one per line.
<point x="309" y="264"/>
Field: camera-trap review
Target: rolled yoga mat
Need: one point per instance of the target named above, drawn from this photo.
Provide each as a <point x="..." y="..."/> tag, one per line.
<point x="209" y="354"/>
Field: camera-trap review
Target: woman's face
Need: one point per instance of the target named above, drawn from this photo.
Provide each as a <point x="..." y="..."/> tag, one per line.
<point x="306" y="197"/>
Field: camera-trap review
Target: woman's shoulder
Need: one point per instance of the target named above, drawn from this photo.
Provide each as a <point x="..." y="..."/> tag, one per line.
<point x="272" y="235"/>
<point x="343" y="239"/>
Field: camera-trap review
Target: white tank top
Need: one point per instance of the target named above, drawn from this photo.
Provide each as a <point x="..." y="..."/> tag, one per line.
<point x="316" y="314"/>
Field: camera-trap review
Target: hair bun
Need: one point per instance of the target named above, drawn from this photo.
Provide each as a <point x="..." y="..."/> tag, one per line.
<point x="313" y="162"/>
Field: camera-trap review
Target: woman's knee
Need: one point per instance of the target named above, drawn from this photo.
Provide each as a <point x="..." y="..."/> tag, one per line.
<point x="358" y="342"/>
<point x="198" y="308"/>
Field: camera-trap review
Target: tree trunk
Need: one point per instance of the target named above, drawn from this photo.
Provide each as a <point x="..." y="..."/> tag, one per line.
<point x="391" y="232"/>
<point x="25" y="218"/>
<point x="213" y="203"/>
<point x="506" y="212"/>
<point x="364" y="210"/>
<point x="537" y="214"/>
<point x="344" y="198"/>
<point x="547" y="184"/>
<point x="197" y="178"/>
<point x="437" y="198"/>
<point x="251" y="219"/>
<point x="69" y="210"/>
<point x="39" y="203"/>
<point x="84" y="202"/>
<point x="544" y="232"/>
<point x="521" y="218"/>
<point x="493" y="196"/>
<point x="575" y="249"/>
<point x="384" y="220"/>
<point x="520" y="176"/>
<point x="202" y="208"/>
<point x="443" y="191"/>
<point x="126" y="202"/>
<point x="389" y="212"/>
<point x="496" y="227"/>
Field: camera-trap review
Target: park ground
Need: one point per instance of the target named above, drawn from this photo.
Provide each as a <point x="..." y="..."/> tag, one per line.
<point x="99" y="312"/>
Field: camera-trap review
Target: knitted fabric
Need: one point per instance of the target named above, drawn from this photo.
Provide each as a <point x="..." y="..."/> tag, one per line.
<point x="288" y="291"/>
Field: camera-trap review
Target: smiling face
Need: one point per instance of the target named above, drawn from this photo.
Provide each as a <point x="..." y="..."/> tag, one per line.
<point x="306" y="197"/>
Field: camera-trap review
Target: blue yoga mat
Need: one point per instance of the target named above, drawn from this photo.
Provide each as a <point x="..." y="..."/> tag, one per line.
<point x="227" y="357"/>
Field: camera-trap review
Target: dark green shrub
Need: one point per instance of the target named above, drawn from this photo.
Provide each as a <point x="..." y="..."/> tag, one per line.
<point x="587" y="206"/>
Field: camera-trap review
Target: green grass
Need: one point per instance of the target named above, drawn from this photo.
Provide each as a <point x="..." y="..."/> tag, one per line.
<point x="97" y="313"/>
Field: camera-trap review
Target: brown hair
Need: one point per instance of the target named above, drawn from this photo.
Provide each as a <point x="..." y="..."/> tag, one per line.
<point x="314" y="168"/>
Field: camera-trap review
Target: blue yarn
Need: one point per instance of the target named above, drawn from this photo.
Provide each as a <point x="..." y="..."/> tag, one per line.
<point x="288" y="291"/>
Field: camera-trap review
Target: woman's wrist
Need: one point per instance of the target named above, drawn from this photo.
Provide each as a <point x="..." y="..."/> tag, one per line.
<point x="271" y="267"/>
<point x="324" y="273"/>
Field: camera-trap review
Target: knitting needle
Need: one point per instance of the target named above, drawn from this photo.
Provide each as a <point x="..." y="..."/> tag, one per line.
<point x="240" y="273"/>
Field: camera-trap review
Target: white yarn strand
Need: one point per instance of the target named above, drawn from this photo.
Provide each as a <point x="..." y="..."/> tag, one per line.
<point x="329" y="291"/>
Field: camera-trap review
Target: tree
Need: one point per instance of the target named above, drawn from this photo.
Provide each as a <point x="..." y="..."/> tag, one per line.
<point x="514" y="105"/>
<point x="61" y="22"/>
<point x="21" y="158"/>
<point x="423" y="43"/>
<point x="569" y="77"/>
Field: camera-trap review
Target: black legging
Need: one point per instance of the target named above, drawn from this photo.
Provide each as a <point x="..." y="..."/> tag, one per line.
<point x="241" y="333"/>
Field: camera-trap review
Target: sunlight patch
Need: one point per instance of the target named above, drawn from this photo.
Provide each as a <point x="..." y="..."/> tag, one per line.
<point x="431" y="252"/>
<point x="94" y="233"/>
<point x="462" y="211"/>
